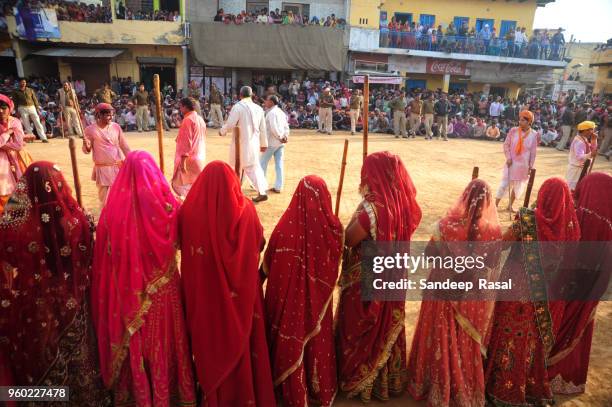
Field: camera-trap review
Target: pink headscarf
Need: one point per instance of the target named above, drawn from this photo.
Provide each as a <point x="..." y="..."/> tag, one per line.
<point x="134" y="254"/>
<point x="8" y="101"/>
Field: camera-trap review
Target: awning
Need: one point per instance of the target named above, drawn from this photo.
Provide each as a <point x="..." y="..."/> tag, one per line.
<point x="156" y="61"/>
<point x="79" y="52"/>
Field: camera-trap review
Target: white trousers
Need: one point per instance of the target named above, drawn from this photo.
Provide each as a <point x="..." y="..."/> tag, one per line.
<point x="517" y="186"/>
<point x="72" y="120"/>
<point x="29" y="114"/>
<point x="257" y="177"/>
<point x="216" y="115"/>
<point x="354" y="114"/>
<point x="573" y="175"/>
<point x="325" y="119"/>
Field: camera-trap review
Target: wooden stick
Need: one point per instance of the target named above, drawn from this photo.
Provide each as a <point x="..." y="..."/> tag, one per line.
<point x="529" y="187"/>
<point x="61" y="122"/>
<point x="586" y="168"/>
<point x="75" y="170"/>
<point x="366" y="113"/>
<point x="237" y="152"/>
<point x="75" y="101"/>
<point x="592" y="163"/>
<point x="158" y="120"/>
<point x="475" y="172"/>
<point x="341" y="182"/>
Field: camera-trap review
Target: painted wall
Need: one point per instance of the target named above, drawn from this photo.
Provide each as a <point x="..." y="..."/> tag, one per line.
<point x="445" y="11"/>
<point x="603" y="83"/>
<point x="319" y="8"/>
<point x="581" y="53"/>
<point x="118" y="32"/>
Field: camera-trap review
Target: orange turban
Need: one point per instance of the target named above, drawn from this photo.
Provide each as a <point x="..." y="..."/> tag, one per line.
<point x="527" y="115"/>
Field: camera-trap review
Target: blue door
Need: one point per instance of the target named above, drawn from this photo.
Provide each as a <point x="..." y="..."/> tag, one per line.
<point x="506" y="26"/>
<point x="455" y="87"/>
<point x="480" y="23"/>
<point x="403" y="17"/>
<point x="458" y="21"/>
<point x="427" y="20"/>
<point x="412" y="84"/>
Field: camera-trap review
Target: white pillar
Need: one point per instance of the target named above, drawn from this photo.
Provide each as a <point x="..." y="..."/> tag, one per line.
<point x="446" y="82"/>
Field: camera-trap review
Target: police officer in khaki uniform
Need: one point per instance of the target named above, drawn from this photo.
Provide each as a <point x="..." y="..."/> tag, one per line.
<point x="326" y="105"/>
<point x="355" y="104"/>
<point x="398" y="106"/>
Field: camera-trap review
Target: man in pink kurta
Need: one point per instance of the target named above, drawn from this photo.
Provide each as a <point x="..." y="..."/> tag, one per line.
<point x="105" y="140"/>
<point x="11" y="141"/>
<point x="520" y="149"/>
<point x="583" y="147"/>
<point x="190" y="148"/>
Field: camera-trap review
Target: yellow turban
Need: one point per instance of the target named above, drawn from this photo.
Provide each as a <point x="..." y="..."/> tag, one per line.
<point x="586" y="125"/>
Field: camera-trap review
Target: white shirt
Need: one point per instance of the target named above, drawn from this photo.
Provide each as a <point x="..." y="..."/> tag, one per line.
<point x="277" y="126"/>
<point x="518" y="37"/>
<point x="496" y="109"/>
<point x="249" y="118"/>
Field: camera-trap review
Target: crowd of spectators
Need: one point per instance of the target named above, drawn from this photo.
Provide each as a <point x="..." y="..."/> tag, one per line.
<point x="125" y="13"/>
<point x="67" y="10"/>
<point x="470" y="115"/>
<point x="542" y="44"/>
<point x="264" y="16"/>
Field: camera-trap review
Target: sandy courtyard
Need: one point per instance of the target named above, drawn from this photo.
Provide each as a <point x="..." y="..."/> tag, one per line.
<point x="440" y="170"/>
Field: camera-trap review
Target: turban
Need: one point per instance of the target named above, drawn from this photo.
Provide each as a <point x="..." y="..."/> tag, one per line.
<point x="527" y="115"/>
<point x="586" y="125"/>
<point x="103" y="106"/>
<point x="8" y="101"/>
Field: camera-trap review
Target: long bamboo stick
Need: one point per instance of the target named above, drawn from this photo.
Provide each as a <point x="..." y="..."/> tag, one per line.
<point x="475" y="171"/>
<point x="586" y="168"/>
<point x="529" y="187"/>
<point x="158" y="120"/>
<point x="341" y="182"/>
<point x="75" y="170"/>
<point x="366" y="113"/>
<point x="237" y="152"/>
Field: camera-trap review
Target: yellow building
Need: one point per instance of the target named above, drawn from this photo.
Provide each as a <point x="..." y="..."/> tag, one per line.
<point x="96" y="52"/>
<point x="431" y="67"/>
<point x="602" y="59"/>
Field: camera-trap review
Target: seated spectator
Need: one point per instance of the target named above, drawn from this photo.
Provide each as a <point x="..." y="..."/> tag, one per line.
<point x="492" y="131"/>
<point x="549" y="135"/>
<point x="479" y="129"/>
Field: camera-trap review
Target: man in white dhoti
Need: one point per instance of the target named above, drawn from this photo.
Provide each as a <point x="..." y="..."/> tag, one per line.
<point x="250" y="120"/>
<point x="520" y="149"/>
<point x="583" y="147"/>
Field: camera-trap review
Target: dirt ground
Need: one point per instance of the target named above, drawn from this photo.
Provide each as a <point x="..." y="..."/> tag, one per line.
<point x="440" y="171"/>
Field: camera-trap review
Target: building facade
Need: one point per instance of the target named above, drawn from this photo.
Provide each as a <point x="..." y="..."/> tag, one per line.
<point x="423" y="42"/>
<point x="602" y="59"/>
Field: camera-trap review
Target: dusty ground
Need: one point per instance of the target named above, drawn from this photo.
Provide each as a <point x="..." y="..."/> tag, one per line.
<point x="440" y="171"/>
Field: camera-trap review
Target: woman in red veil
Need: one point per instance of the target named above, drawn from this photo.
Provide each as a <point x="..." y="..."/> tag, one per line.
<point x="568" y="364"/>
<point x="370" y="336"/>
<point x="46" y="246"/>
<point x="301" y="262"/>
<point x="221" y="239"/>
<point x="136" y="296"/>
<point x="445" y="365"/>
<point x="522" y="333"/>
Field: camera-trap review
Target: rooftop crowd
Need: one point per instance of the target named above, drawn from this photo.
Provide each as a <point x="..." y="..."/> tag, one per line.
<point x="543" y="44"/>
<point x="264" y="16"/>
<point x="470" y="115"/>
<point x="67" y="10"/>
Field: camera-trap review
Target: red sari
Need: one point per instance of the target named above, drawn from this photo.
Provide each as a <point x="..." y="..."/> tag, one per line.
<point x="221" y="238"/>
<point x="370" y="336"/>
<point x="136" y="297"/>
<point x="445" y="365"/>
<point x="569" y="359"/>
<point x="46" y="246"/>
<point x="301" y="262"/>
<point x="522" y="333"/>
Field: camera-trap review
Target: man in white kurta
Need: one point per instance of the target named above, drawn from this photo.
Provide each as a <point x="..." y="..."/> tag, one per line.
<point x="583" y="147"/>
<point x="249" y="119"/>
<point x="520" y="149"/>
<point x="278" y="133"/>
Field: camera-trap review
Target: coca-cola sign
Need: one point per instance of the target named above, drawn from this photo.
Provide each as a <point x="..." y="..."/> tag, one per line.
<point x="441" y="67"/>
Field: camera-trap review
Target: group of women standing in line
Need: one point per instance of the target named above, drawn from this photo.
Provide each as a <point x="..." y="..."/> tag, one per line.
<point x="119" y="324"/>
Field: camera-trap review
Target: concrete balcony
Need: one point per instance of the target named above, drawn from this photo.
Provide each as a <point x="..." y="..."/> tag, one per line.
<point x="470" y="49"/>
<point x="126" y="32"/>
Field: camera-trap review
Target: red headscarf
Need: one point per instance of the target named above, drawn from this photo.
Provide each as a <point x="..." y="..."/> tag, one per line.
<point x="594" y="207"/>
<point x="555" y="214"/>
<point x="302" y="261"/>
<point x="220" y="242"/>
<point x="8" y="101"/>
<point x="45" y="254"/>
<point x="134" y="257"/>
<point x="385" y="183"/>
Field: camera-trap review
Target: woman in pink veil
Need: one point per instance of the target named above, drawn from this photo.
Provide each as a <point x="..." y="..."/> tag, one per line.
<point x="136" y="298"/>
<point x="445" y="364"/>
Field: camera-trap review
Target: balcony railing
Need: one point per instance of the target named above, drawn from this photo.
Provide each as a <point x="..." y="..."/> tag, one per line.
<point x="470" y="45"/>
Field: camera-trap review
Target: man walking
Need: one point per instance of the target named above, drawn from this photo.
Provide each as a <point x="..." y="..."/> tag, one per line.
<point x="568" y="120"/>
<point x="398" y="106"/>
<point x="428" y="112"/>
<point x="326" y="105"/>
<point x="141" y="98"/>
<point x="190" y="156"/>
<point x="416" y="106"/>
<point x="29" y="109"/>
<point x="66" y="104"/>
<point x="278" y="133"/>
<point x="496" y="109"/>
<point x="441" y="108"/>
<point x="216" y="100"/>
<point x="584" y="146"/>
<point x="105" y="94"/>
<point x="105" y="140"/>
<point x="249" y="118"/>
<point x="355" y="104"/>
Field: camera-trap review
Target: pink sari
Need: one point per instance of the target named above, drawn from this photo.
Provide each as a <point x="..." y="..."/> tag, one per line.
<point x="136" y="299"/>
